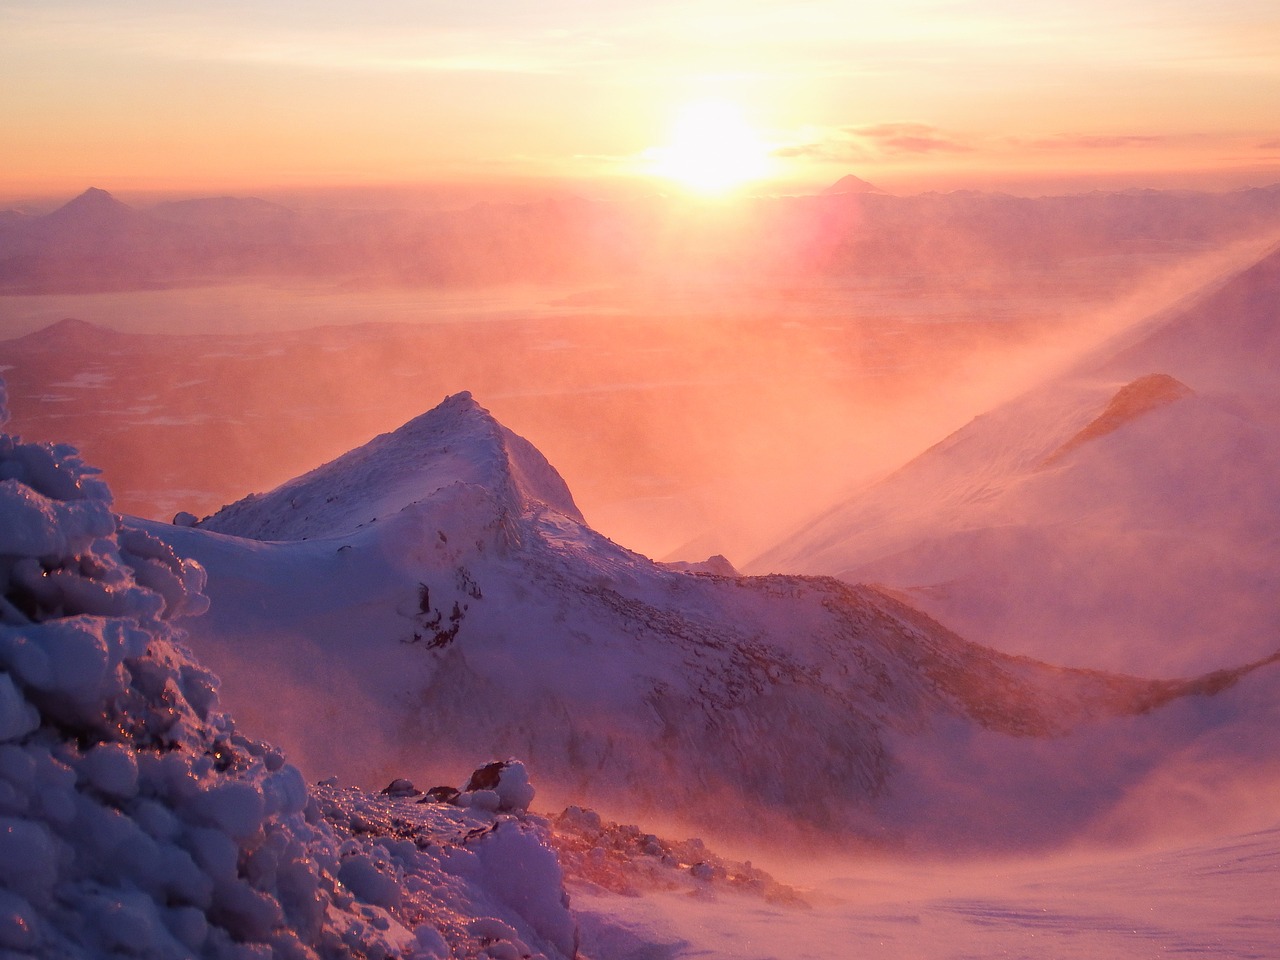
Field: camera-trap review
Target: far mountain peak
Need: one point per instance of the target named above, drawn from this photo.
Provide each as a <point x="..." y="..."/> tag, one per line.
<point x="70" y="330"/>
<point x="94" y="205"/>
<point x="94" y="197"/>
<point x="850" y="184"/>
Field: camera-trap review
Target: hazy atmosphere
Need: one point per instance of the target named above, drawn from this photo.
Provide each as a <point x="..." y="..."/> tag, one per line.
<point x="814" y="463"/>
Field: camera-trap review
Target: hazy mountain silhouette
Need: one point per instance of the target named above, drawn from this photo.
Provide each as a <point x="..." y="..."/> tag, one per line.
<point x="851" y="184"/>
<point x="851" y="229"/>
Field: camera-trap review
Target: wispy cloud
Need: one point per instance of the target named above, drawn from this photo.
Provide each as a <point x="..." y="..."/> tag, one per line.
<point x="1100" y="142"/>
<point x="269" y="38"/>
<point x="874" y="141"/>
<point x="824" y="150"/>
<point x="371" y="58"/>
<point x="902" y="138"/>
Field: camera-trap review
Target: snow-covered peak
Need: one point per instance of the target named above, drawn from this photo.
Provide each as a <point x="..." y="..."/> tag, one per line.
<point x="457" y="445"/>
<point x="136" y="820"/>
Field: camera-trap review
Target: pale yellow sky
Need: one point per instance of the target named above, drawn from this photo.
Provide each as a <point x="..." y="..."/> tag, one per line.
<point x="148" y="94"/>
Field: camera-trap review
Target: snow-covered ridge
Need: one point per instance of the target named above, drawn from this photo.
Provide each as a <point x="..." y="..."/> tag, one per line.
<point x="640" y="689"/>
<point x="1131" y="401"/>
<point x="456" y="443"/>
<point x="135" y="819"/>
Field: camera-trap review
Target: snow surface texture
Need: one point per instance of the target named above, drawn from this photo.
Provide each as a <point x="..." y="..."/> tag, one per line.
<point x="136" y="821"/>
<point x="479" y="615"/>
<point x="1122" y="516"/>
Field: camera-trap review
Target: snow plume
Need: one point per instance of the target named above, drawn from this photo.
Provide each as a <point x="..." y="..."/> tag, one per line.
<point x="135" y="818"/>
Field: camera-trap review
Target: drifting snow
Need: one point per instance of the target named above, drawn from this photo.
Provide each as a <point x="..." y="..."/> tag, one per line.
<point x="1213" y="899"/>
<point x="1121" y="516"/>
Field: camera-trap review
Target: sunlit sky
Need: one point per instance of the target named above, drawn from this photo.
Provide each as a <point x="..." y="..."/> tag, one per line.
<point x="153" y="94"/>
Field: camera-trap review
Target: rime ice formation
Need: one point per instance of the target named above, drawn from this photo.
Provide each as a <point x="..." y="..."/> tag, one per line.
<point x="136" y="820"/>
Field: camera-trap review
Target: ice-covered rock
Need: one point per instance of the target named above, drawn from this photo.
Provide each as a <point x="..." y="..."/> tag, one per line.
<point x="400" y="787"/>
<point x="622" y="858"/>
<point x="507" y="780"/>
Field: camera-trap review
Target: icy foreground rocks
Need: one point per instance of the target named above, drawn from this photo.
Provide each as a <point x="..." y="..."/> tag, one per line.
<point x="136" y="821"/>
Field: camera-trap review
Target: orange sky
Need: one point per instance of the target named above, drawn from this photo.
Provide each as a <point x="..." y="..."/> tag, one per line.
<point x="149" y="94"/>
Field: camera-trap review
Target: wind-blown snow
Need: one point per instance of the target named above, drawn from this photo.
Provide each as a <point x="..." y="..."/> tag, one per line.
<point x="136" y="819"/>
<point x="1122" y="516"/>
<point x="1214" y="899"/>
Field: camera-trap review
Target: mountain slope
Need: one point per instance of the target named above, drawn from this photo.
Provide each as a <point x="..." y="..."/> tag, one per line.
<point x="136" y="820"/>
<point x="482" y="614"/>
<point x="1121" y="516"/>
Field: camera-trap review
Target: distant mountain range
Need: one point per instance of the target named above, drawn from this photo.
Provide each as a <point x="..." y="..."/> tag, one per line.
<point x="95" y="242"/>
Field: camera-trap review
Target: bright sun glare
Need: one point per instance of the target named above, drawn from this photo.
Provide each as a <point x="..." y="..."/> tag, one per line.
<point x="712" y="149"/>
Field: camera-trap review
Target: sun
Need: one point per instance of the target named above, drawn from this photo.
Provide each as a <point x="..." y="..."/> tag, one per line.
<point x="712" y="149"/>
